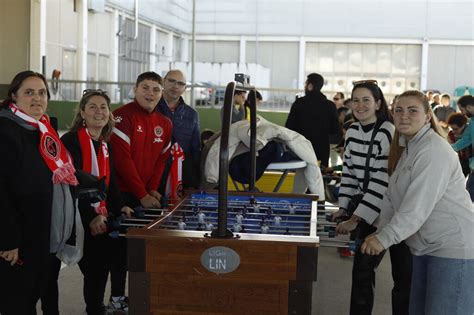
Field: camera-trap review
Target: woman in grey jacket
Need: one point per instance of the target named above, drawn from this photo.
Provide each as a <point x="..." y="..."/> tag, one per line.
<point x="426" y="205"/>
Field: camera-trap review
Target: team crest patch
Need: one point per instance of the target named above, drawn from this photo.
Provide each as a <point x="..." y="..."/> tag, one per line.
<point x="118" y="119"/>
<point x="51" y="147"/>
<point x="158" y="131"/>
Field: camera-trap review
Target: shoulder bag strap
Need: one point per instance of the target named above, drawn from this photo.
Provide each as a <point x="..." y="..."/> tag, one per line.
<point x="369" y="154"/>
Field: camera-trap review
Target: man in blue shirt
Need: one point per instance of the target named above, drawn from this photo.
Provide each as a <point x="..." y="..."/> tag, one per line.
<point x="185" y="126"/>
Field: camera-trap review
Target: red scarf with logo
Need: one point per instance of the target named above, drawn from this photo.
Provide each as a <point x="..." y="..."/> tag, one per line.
<point x="174" y="183"/>
<point x="52" y="150"/>
<point x="97" y="165"/>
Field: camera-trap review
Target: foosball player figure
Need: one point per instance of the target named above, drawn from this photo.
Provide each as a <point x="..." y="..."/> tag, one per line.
<point x="209" y="226"/>
<point x="195" y="209"/>
<point x="242" y="229"/>
<point x="236" y="227"/>
<point x="287" y="231"/>
<point x="277" y="220"/>
<point x="256" y="208"/>
<point x="269" y="212"/>
<point x="292" y="209"/>
<point x="239" y="217"/>
<point x="265" y="228"/>
<point x="199" y="227"/>
<point x="262" y="222"/>
<point x="244" y="211"/>
<point x="184" y="217"/>
<point x="252" y="200"/>
<point x="201" y="217"/>
<point x="181" y="224"/>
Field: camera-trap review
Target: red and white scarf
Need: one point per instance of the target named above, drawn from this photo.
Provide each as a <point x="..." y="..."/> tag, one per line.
<point x="95" y="164"/>
<point x="52" y="150"/>
<point x="174" y="183"/>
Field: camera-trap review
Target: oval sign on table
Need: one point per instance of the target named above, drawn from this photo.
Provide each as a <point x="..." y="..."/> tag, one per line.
<point x="220" y="259"/>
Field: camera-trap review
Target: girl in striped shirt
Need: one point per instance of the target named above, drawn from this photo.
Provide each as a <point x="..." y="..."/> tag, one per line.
<point x="371" y="114"/>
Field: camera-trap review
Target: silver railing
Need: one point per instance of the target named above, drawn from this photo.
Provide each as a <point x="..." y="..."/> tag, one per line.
<point x="205" y="95"/>
<point x="71" y="90"/>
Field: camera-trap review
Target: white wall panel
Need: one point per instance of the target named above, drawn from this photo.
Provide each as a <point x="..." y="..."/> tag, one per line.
<point x="450" y="67"/>
<point x="175" y="14"/>
<point x="100" y="33"/>
<point x="280" y="57"/>
<point x="324" y="18"/>
<point x="216" y="51"/>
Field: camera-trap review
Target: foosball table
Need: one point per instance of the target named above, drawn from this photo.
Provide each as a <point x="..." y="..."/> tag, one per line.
<point x="269" y="267"/>
<point x="227" y="252"/>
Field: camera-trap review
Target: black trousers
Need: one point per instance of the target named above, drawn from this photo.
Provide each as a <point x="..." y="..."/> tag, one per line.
<point x="118" y="264"/>
<point x="95" y="266"/>
<point x="21" y="286"/>
<point x="50" y="297"/>
<point x="118" y="267"/>
<point x="363" y="278"/>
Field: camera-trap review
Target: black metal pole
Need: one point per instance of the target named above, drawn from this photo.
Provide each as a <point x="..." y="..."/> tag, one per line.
<point x="253" y="136"/>
<point x="222" y="230"/>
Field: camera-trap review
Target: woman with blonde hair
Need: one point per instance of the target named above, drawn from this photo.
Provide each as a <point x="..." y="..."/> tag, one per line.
<point x="87" y="141"/>
<point x="427" y="206"/>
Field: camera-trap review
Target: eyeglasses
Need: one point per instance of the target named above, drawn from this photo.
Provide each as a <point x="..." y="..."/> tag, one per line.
<point x="176" y="82"/>
<point x="97" y="91"/>
<point x="354" y="83"/>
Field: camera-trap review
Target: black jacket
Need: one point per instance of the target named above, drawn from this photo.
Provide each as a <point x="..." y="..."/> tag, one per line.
<point x="114" y="199"/>
<point x="315" y="117"/>
<point x="26" y="194"/>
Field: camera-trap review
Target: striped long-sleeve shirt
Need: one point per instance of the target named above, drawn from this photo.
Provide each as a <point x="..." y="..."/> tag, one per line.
<point x="355" y="153"/>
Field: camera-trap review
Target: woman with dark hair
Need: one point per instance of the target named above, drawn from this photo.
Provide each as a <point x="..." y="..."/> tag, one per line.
<point x="36" y="205"/>
<point x="87" y="141"/>
<point x="364" y="181"/>
<point x="427" y="206"/>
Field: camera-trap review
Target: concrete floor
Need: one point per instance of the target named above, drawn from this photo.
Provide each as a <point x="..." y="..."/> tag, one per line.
<point x="331" y="293"/>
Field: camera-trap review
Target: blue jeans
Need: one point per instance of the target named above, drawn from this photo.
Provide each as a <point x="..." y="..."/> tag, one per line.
<point x="442" y="286"/>
<point x="470" y="185"/>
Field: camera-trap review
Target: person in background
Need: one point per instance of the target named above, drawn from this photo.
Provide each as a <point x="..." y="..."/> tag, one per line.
<point x="457" y="123"/>
<point x="436" y="100"/>
<point x="442" y="112"/>
<point x="426" y="205"/>
<point x="335" y="139"/>
<point x="238" y="110"/>
<point x="466" y="104"/>
<point x="141" y="140"/>
<point x="87" y="142"/>
<point x="259" y="99"/>
<point x="36" y="203"/>
<point x="186" y="130"/>
<point x="429" y="95"/>
<point x="371" y="116"/>
<point x="314" y="117"/>
<point x="348" y="104"/>
<point x="338" y="99"/>
<point x="341" y="113"/>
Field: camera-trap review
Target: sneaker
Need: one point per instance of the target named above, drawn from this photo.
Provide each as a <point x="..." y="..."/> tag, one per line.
<point x="118" y="305"/>
<point x="346" y="252"/>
